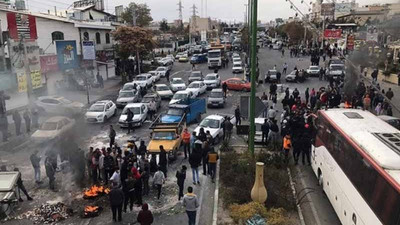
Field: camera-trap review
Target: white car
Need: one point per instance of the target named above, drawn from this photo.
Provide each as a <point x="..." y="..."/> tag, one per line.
<point x="235" y="55"/>
<point x="59" y="105"/>
<point x="313" y="71"/>
<point x="177" y="56"/>
<point x="291" y="77"/>
<point x="163" y="91"/>
<point x="144" y="80"/>
<point x="162" y="70"/>
<point x="128" y="87"/>
<point x="100" y="111"/>
<point x="126" y="97"/>
<point x="177" y="84"/>
<point x="180" y="96"/>
<point x="171" y="57"/>
<point x="53" y="128"/>
<point x="197" y="88"/>
<point x="156" y="75"/>
<point x="237" y="60"/>
<point x="139" y="114"/>
<point x="213" y="123"/>
<point x="237" y="67"/>
<point x="212" y="80"/>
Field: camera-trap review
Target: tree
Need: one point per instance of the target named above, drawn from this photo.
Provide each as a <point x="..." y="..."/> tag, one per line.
<point x="133" y="41"/>
<point x="164" y="26"/>
<point x="295" y="32"/>
<point x="143" y="16"/>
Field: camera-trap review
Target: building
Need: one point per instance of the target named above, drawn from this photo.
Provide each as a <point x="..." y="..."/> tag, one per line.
<point x="361" y="17"/>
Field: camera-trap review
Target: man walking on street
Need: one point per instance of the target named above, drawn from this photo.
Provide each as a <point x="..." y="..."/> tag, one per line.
<point x="116" y="201"/>
<point x="285" y="66"/>
<point x="191" y="204"/>
<point x="159" y="180"/>
<point x="204" y="154"/>
<point x="181" y="176"/>
<point x="35" y="160"/>
<point x="228" y="129"/>
<point x="265" y="131"/>
<point x="163" y="161"/>
<point x="4" y="127"/>
<point x="195" y="161"/>
<point x="225" y="88"/>
<point x="186" y="142"/>
<point x="145" y="217"/>
<point x="307" y="95"/>
<point x="100" y="80"/>
<point x="212" y="159"/>
<point x="237" y="116"/>
<point x="21" y="187"/>
<point x="17" y="122"/>
<point x="27" y="119"/>
<point x="129" y="117"/>
<point x="287" y="145"/>
<point x="50" y="172"/>
<point x="112" y="135"/>
<point x="389" y="94"/>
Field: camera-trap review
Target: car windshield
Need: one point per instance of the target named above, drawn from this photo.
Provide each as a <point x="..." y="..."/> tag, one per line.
<point x="212" y="77"/>
<point x="127" y="94"/>
<point x="175" y="112"/>
<point x="162" y="88"/>
<point x="214" y="54"/>
<point x="195" y="75"/>
<point x="211" y="123"/>
<point x="237" y="65"/>
<point x="65" y="101"/>
<point x="49" y="126"/>
<point x="178" y="81"/>
<point x="128" y="87"/>
<point x="135" y="110"/>
<point x="160" y="69"/>
<point x="216" y="95"/>
<point x="314" y="68"/>
<point x="179" y="96"/>
<point x="272" y="72"/>
<point x="147" y="99"/>
<point x="337" y="67"/>
<point x="194" y="85"/>
<point x="140" y="78"/>
<point x="96" y="108"/>
<point x="167" y="135"/>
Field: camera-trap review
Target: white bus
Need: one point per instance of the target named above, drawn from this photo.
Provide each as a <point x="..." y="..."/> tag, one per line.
<point x="356" y="157"/>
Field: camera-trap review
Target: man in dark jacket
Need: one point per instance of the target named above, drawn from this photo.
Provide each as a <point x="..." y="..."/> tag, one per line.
<point x="237" y="116"/>
<point x="27" y="119"/>
<point x="4" y="127"/>
<point x="202" y="136"/>
<point x="181" y="176"/>
<point x="195" y="161"/>
<point x="109" y="166"/>
<point x="50" y="172"/>
<point x="145" y="217"/>
<point x="17" y="121"/>
<point x="35" y="160"/>
<point x="21" y="187"/>
<point x="129" y="118"/>
<point x="112" y="135"/>
<point x="205" y="150"/>
<point x="163" y="160"/>
<point x="228" y="129"/>
<point x="116" y="201"/>
<point x="212" y="159"/>
<point x="142" y="148"/>
<point x="389" y="94"/>
<point x="225" y="88"/>
<point x="265" y="131"/>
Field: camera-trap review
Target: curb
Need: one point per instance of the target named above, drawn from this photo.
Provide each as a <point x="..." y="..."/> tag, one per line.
<point x="216" y="192"/>
<point x="299" y="210"/>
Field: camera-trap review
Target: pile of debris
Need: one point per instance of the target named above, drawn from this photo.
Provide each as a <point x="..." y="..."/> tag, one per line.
<point x="48" y="213"/>
<point x="95" y="191"/>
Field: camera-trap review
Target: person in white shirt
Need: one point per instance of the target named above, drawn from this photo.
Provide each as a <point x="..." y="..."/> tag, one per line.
<point x="159" y="180"/>
<point x="101" y="165"/>
<point x="116" y="177"/>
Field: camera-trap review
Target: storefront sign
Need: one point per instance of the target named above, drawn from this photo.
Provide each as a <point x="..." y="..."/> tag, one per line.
<point x="21" y="25"/>
<point x="67" y="55"/>
<point x="350" y="42"/>
<point x="22" y="84"/>
<point x="88" y="50"/>
<point x="333" y="34"/>
<point x="48" y="63"/>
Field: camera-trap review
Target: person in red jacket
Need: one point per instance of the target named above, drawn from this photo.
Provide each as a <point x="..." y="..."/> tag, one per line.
<point x="186" y="142"/>
<point x="145" y="217"/>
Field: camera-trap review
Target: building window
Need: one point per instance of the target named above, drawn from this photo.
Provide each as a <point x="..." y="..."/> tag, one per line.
<point x="98" y="39"/>
<point x="57" y="36"/>
<point x="107" y="38"/>
<point x="86" y="36"/>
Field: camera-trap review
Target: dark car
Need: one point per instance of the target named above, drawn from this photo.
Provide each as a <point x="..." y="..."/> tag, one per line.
<point x="198" y="58"/>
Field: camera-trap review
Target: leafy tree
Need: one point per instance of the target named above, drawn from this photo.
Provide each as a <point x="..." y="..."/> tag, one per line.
<point x="164" y="26"/>
<point x="143" y="16"/>
<point x="295" y="32"/>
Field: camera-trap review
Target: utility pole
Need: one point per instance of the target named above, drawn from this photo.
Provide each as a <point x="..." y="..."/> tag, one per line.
<point x="193" y="22"/>
<point x="134" y="19"/>
<point x="253" y="74"/>
<point x="180" y="7"/>
<point x="28" y="77"/>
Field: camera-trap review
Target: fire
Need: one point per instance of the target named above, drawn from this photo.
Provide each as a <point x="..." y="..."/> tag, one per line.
<point x="347" y="105"/>
<point x="89" y="209"/>
<point x="95" y="191"/>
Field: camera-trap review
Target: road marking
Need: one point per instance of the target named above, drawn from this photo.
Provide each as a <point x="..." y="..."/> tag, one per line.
<point x="215" y="210"/>
<point x="294" y="195"/>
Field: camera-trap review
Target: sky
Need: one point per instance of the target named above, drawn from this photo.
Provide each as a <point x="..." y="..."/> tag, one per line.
<point x="225" y="10"/>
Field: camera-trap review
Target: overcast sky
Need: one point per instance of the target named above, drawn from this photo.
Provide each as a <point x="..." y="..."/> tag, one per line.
<point x="226" y="10"/>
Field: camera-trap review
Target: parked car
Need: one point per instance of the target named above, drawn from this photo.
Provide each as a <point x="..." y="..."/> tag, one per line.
<point x="166" y="62"/>
<point x="128" y="87"/>
<point x="53" y="129"/>
<point x="59" y="105"/>
<point x="139" y="111"/>
<point x="237" y="60"/>
<point x="177" y="84"/>
<point x="237" y="67"/>
<point x="313" y="71"/>
<point x="197" y="88"/>
<point x="184" y="58"/>
<point x="213" y="123"/>
<point x="212" y="80"/>
<point x="271" y="75"/>
<point x="336" y="71"/>
<point x="126" y="97"/>
<point x="178" y="55"/>
<point x="171" y="57"/>
<point x="162" y="70"/>
<point x="100" y="111"/>
<point x="238" y="84"/>
<point x="394" y="121"/>
<point x="144" y="80"/>
<point x="181" y="96"/>
<point x="152" y="96"/>
<point x="195" y="76"/>
<point x="291" y="77"/>
<point x="216" y="98"/>
<point x="156" y="75"/>
<point x="164" y="91"/>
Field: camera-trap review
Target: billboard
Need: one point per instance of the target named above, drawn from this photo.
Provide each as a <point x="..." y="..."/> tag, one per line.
<point x="343" y="8"/>
<point x="67" y="55"/>
<point x="333" y="33"/>
<point x="21" y="25"/>
<point x="88" y="50"/>
<point x="48" y="63"/>
<point x="350" y="42"/>
<point x="328" y="9"/>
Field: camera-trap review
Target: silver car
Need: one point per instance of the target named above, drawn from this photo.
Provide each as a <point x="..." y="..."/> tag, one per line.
<point x="126" y="97"/>
<point x="216" y="98"/>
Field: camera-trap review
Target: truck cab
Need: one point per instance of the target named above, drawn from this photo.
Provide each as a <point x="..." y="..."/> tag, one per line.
<point x="168" y="135"/>
<point x="190" y="112"/>
<point x="214" y="58"/>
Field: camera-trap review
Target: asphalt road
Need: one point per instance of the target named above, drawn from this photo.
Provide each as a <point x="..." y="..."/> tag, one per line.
<point x="86" y="135"/>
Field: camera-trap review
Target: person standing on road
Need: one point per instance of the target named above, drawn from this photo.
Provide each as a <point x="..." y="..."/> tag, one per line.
<point x="265" y="131"/>
<point x="389" y="94"/>
<point x="195" y="161"/>
<point x="116" y="201"/>
<point x="283" y="52"/>
<point x="167" y="76"/>
<point x="228" y="129"/>
<point x="35" y="118"/>
<point x="108" y="163"/>
<point x="272" y="113"/>
<point x="159" y="180"/>
<point x="50" y="172"/>
<point x="27" y="119"/>
<point x="307" y="95"/>
<point x="181" y="176"/>
<point x="129" y="118"/>
<point x="224" y="88"/>
<point x="17" y="122"/>
<point x="212" y="159"/>
<point x="163" y="161"/>
<point x="287" y="145"/>
<point x="193" y="139"/>
<point x="146" y="176"/>
<point x="112" y="135"/>
<point x="21" y="187"/>
<point x="152" y="109"/>
<point x="100" y="80"/>
<point x="4" y="127"/>
<point x="138" y="186"/>
<point x="35" y="160"/>
<point x="145" y="217"/>
<point x="204" y="154"/>
<point x="191" y="204"/>
<point x="237" y="116"/>
<point x="285" y="66"/>
<point x="186" y="142"/>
